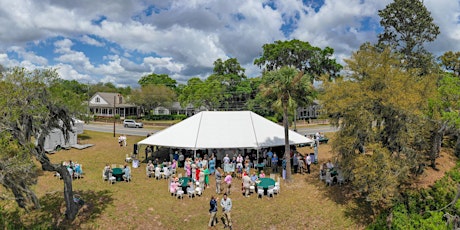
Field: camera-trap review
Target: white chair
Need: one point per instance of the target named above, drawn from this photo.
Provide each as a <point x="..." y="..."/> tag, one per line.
<point x="198" y="189"/>
<point x="147" y="171"/>
<point x="157" y="173"/>
<point x="270" y="191"/>
<point x="112" y="179"/>
<point x="277" y="188"/>
<point x="191" y="192"/>
<point x="340" y="179"/>
<point x="252" y="189"/>
<point x="57" y="175"/>
<point x="328" y="179"/>
<point x="180" y="193"/>
<point x="166" y="173"/>
<point x="104" y="177"/>
<point x="260" y="192"/>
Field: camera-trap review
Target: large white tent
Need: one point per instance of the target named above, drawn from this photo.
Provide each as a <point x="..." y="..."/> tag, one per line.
<point x="222" y="130"/>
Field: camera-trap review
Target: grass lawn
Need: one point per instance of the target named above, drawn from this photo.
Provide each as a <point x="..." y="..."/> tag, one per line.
<point x="145" y="203"/>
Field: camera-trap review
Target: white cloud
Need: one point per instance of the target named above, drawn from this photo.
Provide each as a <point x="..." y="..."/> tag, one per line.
<point x="91" y="41"/>
<point x="184" y="38"/>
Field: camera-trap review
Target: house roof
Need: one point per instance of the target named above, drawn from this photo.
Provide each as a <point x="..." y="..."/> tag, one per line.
<point x="109" y="98"/>
<point x="224" y="129"/>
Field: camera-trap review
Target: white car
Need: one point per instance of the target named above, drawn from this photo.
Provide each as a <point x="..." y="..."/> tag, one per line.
<point x="132" y="124"/>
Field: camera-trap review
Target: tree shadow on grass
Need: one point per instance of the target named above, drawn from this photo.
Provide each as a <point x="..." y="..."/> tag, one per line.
<point x="51" y="215"/>
<point x="360" y="211"/>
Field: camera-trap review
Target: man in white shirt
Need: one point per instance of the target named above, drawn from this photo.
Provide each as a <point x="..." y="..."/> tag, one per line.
<point x="308" y="161"/>
<point x="226" y="204"/>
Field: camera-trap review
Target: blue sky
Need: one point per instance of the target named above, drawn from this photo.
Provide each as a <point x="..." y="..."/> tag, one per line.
<point x="121" y="41"/>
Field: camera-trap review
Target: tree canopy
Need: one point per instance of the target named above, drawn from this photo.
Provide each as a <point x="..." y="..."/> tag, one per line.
<point x="151" y="96"/>
<point x="380" y="111"/>
<point x="32" y="104"/>
<point x="286" y="88"/>
<point x="407" y="26"/>
<point x="157" y="79"/>
<point x="312" y="60"/>
<point x="451" y="62"/>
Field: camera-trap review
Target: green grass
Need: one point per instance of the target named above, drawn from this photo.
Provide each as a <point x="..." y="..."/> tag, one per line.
<point x="145" y="203"/>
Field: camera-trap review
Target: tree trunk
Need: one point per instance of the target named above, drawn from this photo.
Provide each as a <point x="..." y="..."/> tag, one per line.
<point x="71" y="206"/>
<point x="436" y="140"/>
<point x="457" y="146"/>
<point x="287" y="148"/>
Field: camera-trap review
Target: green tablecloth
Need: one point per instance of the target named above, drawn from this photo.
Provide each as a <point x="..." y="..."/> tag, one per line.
<point x="118" y="173"/>
<point x="184" y="181"/>
<point x="266" y="182"/>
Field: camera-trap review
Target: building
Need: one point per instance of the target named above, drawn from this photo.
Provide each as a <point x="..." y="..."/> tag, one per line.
<point x="108" y="104"/>
<point x="310" y="112"/>
<point x="176" y="109"/>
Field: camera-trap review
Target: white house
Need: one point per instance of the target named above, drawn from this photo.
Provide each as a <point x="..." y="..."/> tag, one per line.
<point x="108" y="104"/>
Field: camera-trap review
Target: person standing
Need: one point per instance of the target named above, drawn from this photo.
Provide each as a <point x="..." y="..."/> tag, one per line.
<point x="295" y="162"/>
<point x="269" y="157"/>
<point x="275" y="163"/>
<point x="218" y="180"/>
<point x="308" y="162"/>
<point x="283" y="164"/>
<point x="226" y="204"/>
<point x="228" y="182"/>
<point x="213" y="212"/>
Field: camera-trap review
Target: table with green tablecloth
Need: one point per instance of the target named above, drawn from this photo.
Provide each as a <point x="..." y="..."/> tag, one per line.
<point x="183" y="181"/>
<point x="118" y="173"/>
<point x="265" y="182"/>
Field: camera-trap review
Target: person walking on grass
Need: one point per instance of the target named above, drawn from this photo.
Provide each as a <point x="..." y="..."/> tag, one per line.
<point x="212" y="212"/>
<point x="226" y="204"/>
<point x="218" y="180"/>
<point x="228" y="182"/>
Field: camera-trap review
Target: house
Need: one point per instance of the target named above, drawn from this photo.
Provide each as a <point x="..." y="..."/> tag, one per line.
<point x="312" y="111"/>
<point x="176" y="108"/>
<point x="108" y="104"/>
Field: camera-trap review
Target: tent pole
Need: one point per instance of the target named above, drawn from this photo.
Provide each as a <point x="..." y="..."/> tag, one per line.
<point x="194" y="154"/>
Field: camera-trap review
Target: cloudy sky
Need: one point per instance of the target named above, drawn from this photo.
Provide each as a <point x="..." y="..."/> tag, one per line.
<point x="119" y="41"/>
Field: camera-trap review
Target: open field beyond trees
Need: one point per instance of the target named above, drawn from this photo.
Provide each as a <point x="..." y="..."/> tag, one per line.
<point x="145" y="203"/>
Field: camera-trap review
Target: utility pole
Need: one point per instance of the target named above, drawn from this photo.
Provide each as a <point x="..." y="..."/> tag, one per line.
<point x="114" y="100"/>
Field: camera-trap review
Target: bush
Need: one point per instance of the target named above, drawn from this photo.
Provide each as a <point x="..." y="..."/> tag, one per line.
<point x="417" y="210"/>
<point x="166" y="117"/>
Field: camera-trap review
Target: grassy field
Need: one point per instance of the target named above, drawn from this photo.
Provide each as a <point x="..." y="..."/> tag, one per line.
<point x="145" y="203"/>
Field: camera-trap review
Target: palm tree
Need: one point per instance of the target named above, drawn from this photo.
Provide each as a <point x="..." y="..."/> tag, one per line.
<point x="286" y="88"/>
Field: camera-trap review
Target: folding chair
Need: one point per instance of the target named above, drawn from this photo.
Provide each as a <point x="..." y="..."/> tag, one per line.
<point x="260" y="192"/>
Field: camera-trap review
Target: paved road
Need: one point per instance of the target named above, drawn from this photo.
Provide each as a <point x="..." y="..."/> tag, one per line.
<point x="119" y="129"/>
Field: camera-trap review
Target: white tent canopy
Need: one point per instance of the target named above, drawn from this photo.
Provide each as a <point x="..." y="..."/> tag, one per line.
<point x="219" y="130"/>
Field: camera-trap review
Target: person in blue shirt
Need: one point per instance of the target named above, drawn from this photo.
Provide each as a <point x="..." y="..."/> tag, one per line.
<point x="127" y="173"/>
<point x="212" y="211"/>
<point x="269" y="157"/>
<point x="283" y="164"/>
<point x="275" y="163"/>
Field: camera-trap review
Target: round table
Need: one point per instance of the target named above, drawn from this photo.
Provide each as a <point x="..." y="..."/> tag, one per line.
<point x="265" y="182"/>
<point x="118" y="173"/>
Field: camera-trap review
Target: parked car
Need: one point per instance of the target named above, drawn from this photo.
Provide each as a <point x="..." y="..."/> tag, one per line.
<point x="132" y="124"/>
